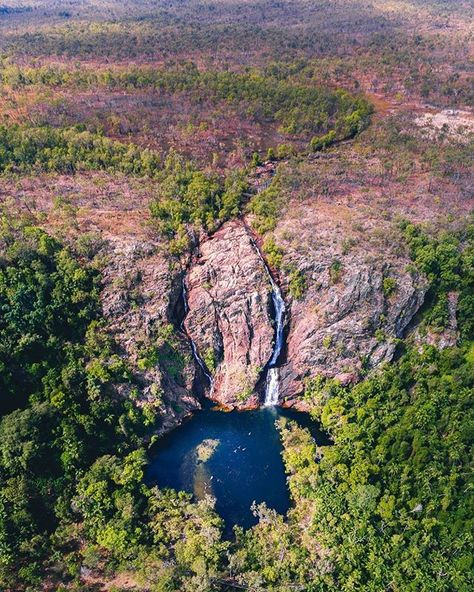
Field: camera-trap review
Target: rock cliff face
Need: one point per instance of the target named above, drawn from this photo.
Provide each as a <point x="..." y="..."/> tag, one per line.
<point x="349" y="324"/>
<point x="361" y="293"/>
<point x="360" y="296"/>
<point x="139" y="297"/>
<point x="355" y="306"/>
<point x="229" y="318"/>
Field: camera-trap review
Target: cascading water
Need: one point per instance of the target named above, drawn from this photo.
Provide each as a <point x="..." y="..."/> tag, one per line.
<point x="272" y="386"/>
<point x="194" y="349"/>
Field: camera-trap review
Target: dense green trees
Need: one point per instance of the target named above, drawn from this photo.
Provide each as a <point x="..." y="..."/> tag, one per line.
<point x="448" y="263"/>
<point x="190" y="196"/>
<point x="266" y="207"/>
<point x="47" y="302"/>
<point x="391" y="499"/>
<point x="59" y="370"/>
<point x="68" y="150"/>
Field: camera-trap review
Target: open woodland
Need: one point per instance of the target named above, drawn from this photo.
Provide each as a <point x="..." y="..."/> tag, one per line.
<point x="136" y="137"/>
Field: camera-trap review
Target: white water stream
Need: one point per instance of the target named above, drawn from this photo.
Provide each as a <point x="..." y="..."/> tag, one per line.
<point x="272" y="386"/>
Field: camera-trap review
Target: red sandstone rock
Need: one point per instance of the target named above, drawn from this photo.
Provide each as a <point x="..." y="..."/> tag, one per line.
<point x="229" y="318"/>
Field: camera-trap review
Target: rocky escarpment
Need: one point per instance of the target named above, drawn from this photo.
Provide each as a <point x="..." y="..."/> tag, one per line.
<point x="360" y="295"/>
<point x="358" y="300"/>
<point x="358" y="292"/>
<point x="349" y="324"/>
<point x="138" y="299"/>
<point x="229" y="317"/>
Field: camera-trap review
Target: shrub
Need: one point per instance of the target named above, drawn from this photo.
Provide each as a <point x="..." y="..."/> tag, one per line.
<point x="297" y="284"/>
<point x="335" y="271"/>
<point x="389" y="286"/>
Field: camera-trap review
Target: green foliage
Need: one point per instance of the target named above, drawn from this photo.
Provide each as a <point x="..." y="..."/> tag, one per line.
<point x="448" y="263"/>
<point x="198" y="545"/>
<point x="273" y="252"/>
<point x="71" y="466"/>
<point x="439" y="259"/>
<point x="266" y="205"/>
<point x="68" y="150"/>
<point x="327" y="341"/>
<point x="297" y="283"/>
<point x="300" y="458"/>
<point x="168" y="353"/>
<point x="319" y="389"/>
<point x="318" y="143"/>
<point x="255" y="159"/>
<point x="389" y="285"/>
<point x="47" y="300"/>
<point x="210" y="360"/>
<point x="58" y="368"/>
<point x="335" y="271"/>
<point x="285" y="151"/>
<point x="111" y="500"/>
<point x="232" y="198"/>
<point x="296" y="278"/>
<point x="389" y="504"/>
<point x="269" y="556"/>
<point x="396" y="475"/>
<point x="271" y="156"/>
<point x="187" y="195"/>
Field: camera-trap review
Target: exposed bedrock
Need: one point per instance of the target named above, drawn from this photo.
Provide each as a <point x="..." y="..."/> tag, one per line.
<point x="346" y="326"/>
<point x="138" y="299"/>
<point x="348" y="321"/>
<point x="230" y="314"/>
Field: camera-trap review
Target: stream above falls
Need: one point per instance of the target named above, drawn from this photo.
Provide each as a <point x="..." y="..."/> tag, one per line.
<point x="233" y="456"/>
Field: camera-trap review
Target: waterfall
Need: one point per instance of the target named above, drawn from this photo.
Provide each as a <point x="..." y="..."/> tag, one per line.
<point x="272" y="386"/>
<point x="194" y="349"/>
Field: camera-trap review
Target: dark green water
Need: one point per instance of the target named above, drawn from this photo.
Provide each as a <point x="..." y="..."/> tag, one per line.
<point x="245" y="463"/>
